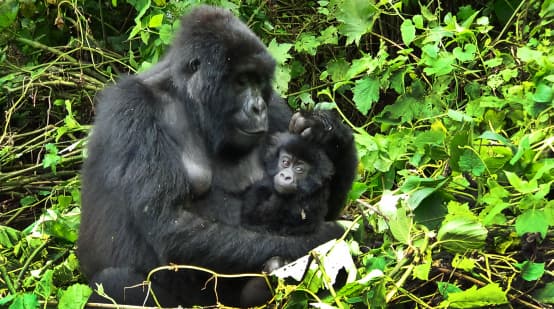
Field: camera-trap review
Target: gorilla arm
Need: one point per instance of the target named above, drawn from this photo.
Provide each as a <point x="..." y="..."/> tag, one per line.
<point x="190" y="239"/>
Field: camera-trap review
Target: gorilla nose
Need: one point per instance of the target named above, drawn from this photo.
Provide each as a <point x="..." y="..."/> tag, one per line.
<point x="286" y="178"/>
<point x="257" y="107"/>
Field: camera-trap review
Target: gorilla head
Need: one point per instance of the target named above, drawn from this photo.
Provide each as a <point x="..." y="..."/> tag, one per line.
<point x="220" y="61"/>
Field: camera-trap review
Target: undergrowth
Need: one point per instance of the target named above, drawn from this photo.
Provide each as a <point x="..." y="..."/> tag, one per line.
<point x="451" y="105"/>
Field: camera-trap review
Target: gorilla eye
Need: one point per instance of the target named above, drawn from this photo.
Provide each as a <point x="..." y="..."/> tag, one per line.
<point x="299" y="169"/>
<point x="193" y="65"/>
<point x="285" y="162"/>
<point x="242" y="80"/>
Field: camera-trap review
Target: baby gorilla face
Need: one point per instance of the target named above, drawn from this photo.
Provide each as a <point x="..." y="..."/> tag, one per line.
<point x="291" y="170"/>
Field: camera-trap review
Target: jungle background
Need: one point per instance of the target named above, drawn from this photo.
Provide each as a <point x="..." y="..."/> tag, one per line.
<point x="452" y="107"/>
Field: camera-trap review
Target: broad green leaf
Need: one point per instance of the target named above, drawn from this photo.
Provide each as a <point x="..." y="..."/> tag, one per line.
<point x="442" y="65"/>
<point x="418" y="21"/>
<point x="524" y="145"/>
<point x="9" y="237"/>
<point x="522" y="186"/>
<point x="45" y="287"/>
<point x="421" y="271"/>
<point x="463" y="263"/>
<point x="329" y="36"/>
<point x="532" y="221"/>
<point x="408" y="31"/>
<point x="445" y="288"/>
<point x="543" y="93"/>
<point x="279" y="51"/>
<point x="459" y="116"/>
<point x="75" y="296"/>
<point x="465" y="54"/>
<point x="25" y="301"/>
<point x="366" y="92"/>
<point x="400" y="226"/>
<point x="461" y="234"/>
<point x="356" y="18"/>
<point x="307" y="43"/>
<point x="527" y="55"/>
<point x="546" y="294"/>
<point x="8" y="12"/>
<point x="282" y="78"/>
<point x="531" y="271"/>
<point x="489" y="295"/>
<point x="470" y="162"/>
<point x="338" y="69"/>
<point x="493" y="136"/>
<point x="156" y="21"/>
<point x="166" y="34"/>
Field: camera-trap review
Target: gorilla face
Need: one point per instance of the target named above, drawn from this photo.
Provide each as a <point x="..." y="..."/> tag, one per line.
<point x="291" y="171"/>
<point x="226" y="74"/>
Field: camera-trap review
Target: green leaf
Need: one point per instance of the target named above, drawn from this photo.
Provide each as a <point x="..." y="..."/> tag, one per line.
<point x="9" y="237"/>
<point x="532" y="221"/>
<point x="8" y="12"/>
<point x="166" y="34"/>
<point x="531" y="271"/>
<point x="418" y="21"/>
<point x="465" y="54"/>
<point x="366" y="92"/>
<point x="459" y="116"/>
<point x="470" y="162"/>
<point x="25" y="301"/>
<point x="279" y="51"/>
<point x="338" y="69"/>
<point x="75" y="296"/>
<point x="489" y="295"/>
<point x="45" y="287"/>
<point x="408" y="30"/>
<point x="521" y="185"/>
<point x="400" y="226"/>
<point x="421" y="271"/>
<point x="307" y="43"/>
<point x="546" y="294"/>
<point x="445" y="288"/>
<point x="356" y="18"/>
<point x="461" y="234"/>
<point x="463" y="263"/>
<point x="543" y="93"/>
<point x="156" y="21"/>
<point x="442" y="65"/>
<point x="527" y="55"/>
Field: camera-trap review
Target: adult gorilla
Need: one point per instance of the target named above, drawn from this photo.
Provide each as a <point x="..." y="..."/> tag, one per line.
<point x="164" y="141"/>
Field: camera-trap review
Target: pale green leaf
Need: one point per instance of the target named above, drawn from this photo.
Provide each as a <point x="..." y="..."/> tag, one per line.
<point x="532" y="221"/>
<point x="408" y="31"/>
<point x="366" y="92"/>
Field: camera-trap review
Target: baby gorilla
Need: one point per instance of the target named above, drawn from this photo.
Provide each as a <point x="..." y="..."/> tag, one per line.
<point x="292" y="197"/>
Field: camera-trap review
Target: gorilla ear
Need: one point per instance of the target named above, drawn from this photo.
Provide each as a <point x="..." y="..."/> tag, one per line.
<point x="193" y="65"/>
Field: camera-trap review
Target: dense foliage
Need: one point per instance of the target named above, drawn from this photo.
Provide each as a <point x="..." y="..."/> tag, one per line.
<point x="452" y="105"/>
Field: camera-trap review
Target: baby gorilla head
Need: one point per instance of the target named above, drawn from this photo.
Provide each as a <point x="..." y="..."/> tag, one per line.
<point x="296" y="165"/>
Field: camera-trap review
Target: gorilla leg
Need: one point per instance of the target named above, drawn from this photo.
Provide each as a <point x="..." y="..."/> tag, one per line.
<point x="125" y="287"/>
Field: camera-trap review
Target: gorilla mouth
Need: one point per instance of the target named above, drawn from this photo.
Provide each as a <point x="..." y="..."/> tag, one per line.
<point x="254" y="132"/>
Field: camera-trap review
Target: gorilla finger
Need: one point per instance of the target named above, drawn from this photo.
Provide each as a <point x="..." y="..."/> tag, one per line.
<point x="293" y="121"/>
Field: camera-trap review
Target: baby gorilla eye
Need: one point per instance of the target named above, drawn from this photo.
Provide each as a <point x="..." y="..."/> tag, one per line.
<point x="285" y="162"/>
<point x="299" y="169"/>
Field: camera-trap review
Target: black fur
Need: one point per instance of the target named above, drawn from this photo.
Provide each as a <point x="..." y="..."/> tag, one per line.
<point x="298" y="212"/>
<point x="168" y="167"/>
